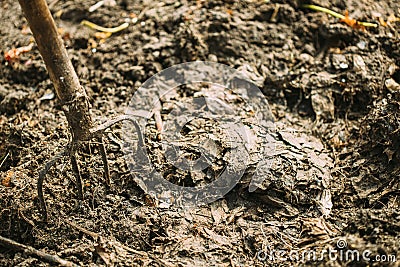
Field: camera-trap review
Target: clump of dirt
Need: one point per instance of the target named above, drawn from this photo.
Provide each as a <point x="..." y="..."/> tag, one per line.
<point x="334" y="94"/>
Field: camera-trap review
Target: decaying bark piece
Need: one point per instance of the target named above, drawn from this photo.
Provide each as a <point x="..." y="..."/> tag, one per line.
<point x="69" y="91"/>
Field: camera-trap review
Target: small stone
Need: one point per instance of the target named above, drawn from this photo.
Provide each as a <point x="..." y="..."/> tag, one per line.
<point x="339" y="61"/>
<point x="304" y="57"/>
<point x="212" y="58"/>
<point x="358" y="63"/>
<point x="156" y="54"/>
<point x="392" y="69"/>
<point x="309" y="49"/>
<point x="362" y="45"/>
<point x="392" y="85"/>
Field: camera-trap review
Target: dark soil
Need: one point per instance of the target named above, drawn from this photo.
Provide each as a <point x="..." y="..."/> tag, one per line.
<point x="334" y="93"/>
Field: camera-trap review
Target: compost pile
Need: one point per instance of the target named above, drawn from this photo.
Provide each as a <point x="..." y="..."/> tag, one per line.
<point x="333" y="93"/>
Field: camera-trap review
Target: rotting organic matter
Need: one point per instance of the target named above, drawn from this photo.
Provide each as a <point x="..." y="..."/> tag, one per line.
<point x="296" y="55"/>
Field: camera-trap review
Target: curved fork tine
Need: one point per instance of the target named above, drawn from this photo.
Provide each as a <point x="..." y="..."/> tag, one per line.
<point x="42" y="175"/>
<point x="75" y="168"/>
<point x="103" y="153"/>
<point x="100" y="128"/>
<point x="72" y="152"/>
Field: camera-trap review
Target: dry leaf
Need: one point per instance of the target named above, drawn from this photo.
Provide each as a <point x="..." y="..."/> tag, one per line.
<point x="7" y="180"/>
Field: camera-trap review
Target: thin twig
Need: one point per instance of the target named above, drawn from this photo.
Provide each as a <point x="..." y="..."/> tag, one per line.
<point x="83" y="230"/>
<point x="4" y="159"/>
<point x="325" y="10"/>
<point x="103" y="29"/>
<point x="337" y="15"/>
<point x="96" y="236"/>
<point x="32" y="251"/>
